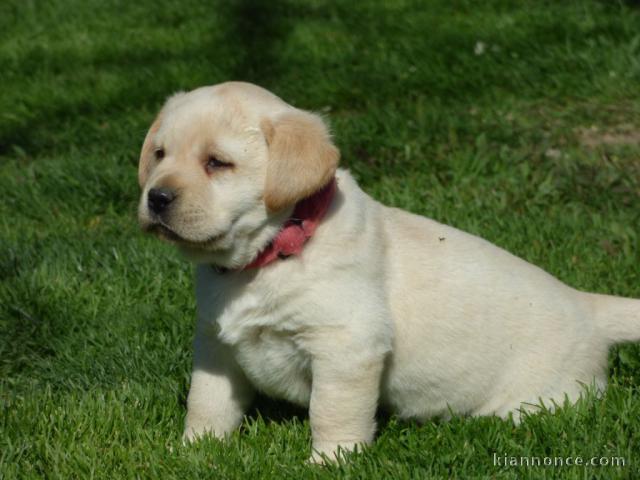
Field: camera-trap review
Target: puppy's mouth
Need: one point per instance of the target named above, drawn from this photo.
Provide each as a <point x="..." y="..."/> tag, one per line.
<point x="166" y="233"/>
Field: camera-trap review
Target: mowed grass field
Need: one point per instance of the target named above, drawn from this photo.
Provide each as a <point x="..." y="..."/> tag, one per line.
<point x="515" y="120"/>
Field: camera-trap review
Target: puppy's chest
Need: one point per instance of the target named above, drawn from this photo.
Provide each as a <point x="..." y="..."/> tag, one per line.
<point x="267" y="342"/>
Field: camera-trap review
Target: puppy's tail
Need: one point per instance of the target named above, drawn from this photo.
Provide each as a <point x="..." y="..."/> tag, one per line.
<point x="617" y="318"/>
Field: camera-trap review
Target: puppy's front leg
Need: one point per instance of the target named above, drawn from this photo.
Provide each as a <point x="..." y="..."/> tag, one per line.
<point x="219" y="393"/>
<point x="344" y="398"/>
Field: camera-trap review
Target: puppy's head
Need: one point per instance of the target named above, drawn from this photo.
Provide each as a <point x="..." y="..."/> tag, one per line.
<point x="222" y="167"/>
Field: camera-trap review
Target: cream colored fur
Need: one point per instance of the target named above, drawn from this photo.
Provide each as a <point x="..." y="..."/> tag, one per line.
<point x="383" y="307"/>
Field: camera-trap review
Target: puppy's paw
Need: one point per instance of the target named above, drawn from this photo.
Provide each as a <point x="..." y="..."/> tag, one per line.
<point x="330" y="452"/>
<point x="195" y="430"/>
<point x="192" y="434"/>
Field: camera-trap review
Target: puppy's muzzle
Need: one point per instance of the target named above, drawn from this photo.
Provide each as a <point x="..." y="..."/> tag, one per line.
<point x="158" y="199"/>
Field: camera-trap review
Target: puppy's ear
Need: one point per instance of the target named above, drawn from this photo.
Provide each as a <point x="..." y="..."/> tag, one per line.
<point x="302" y="158"/>
<point x="147" y="155"/>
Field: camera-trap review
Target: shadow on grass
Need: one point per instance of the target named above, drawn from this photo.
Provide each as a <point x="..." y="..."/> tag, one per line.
<point x="246" y="48"/>
<point x="281" y="411"/>
<point x="258" y="30"/>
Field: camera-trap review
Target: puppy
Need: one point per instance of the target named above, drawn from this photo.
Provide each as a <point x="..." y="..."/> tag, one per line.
<point x="311" y="291"/>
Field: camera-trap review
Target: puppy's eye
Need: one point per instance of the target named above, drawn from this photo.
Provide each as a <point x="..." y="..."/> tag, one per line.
<point x="159" y="153"/>
<point x="214" y="163"/>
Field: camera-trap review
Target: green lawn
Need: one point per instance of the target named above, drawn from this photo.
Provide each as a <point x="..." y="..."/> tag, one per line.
<point x="515" y="120"/>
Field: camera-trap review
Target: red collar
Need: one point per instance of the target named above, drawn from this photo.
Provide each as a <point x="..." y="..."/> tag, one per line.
<point x="300" y="227"/>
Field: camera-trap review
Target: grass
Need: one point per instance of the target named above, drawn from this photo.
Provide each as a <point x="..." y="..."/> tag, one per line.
<point x="514" y="120"/>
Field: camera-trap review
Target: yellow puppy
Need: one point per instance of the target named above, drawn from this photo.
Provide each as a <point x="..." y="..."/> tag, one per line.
<point x="311" y="291"/>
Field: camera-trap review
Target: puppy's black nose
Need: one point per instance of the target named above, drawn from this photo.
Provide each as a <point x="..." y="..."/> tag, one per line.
<point x="159" y="198"/>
